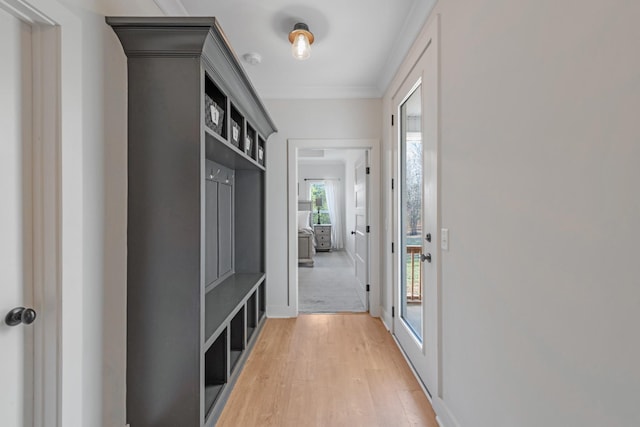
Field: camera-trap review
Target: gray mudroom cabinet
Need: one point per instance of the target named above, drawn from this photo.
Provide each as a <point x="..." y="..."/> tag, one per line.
<point x="196" y="286"/>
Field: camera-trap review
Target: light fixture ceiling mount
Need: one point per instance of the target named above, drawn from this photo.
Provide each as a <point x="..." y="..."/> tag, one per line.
<point x="301" y="40"/>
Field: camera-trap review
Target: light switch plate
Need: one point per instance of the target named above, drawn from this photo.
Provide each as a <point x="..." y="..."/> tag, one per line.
<point x="444" y="239"/>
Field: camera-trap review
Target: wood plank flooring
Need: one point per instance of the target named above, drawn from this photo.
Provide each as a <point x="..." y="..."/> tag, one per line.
<point x="326" y="370"/>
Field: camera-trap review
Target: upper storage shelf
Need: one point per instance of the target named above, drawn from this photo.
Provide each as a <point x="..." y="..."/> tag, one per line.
<point x="224" y="80"/>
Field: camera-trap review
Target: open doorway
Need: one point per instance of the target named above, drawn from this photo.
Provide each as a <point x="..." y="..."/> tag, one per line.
<point x="315" y="156"/>
<point x="332" y="238"/>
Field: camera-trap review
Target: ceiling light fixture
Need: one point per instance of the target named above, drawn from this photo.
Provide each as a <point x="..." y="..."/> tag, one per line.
<point x="301" y="40"/>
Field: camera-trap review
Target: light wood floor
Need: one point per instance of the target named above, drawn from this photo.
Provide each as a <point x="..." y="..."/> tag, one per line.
<point x="326" y="370"/>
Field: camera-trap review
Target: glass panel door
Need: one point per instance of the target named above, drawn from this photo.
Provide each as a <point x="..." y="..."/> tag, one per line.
<point x="416" y="222"/>
<point x="411" y="215"/>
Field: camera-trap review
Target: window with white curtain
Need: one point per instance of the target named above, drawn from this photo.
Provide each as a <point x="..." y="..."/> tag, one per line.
<point x="335" y="199"/>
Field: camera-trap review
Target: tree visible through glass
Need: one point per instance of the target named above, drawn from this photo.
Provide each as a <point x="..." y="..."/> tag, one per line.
<point x="411" y="204"/>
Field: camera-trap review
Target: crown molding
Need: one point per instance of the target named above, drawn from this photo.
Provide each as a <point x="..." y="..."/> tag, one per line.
<point x="412" y="27"/>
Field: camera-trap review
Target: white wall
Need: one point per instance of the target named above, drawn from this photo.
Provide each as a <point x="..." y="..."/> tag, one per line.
<point x="303" y="119"/>
<point x="539" y="154"/>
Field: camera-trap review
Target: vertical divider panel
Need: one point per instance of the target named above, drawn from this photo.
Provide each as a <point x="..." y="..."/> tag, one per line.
<point x="262" y="303"/>
<point x="211" y="229"/>
<point x="237" y="341"/>
<point x="252" y="314"/>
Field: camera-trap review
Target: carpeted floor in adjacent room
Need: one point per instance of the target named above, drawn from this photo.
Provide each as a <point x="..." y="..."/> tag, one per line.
<point x="330" y="286"/>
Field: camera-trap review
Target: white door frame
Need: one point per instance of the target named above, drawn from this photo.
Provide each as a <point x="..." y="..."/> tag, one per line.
<point x="46" y="213"/>
<point x="373" y="145"/>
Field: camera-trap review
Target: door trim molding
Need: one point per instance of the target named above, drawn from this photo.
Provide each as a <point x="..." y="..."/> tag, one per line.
<point x="46" y="210"/>
<point x="293" y="145"/>
<point x="25" y="12"/>
<point x="47" y="219"/>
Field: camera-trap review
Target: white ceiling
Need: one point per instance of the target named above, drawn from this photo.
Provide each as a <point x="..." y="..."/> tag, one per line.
<point x="359" y="44"/>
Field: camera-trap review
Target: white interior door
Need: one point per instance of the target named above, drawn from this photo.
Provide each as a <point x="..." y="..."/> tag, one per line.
<point x="16" y="342"/>
<point x="361" y="221"/>
<point x="416" y="286"/>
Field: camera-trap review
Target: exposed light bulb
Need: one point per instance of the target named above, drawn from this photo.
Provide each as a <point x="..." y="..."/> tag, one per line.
<point x="301" y="48"/>
<point x="301" y="40"/>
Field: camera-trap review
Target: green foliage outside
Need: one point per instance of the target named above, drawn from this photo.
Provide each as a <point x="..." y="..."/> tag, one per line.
<point x="318" y="191"/>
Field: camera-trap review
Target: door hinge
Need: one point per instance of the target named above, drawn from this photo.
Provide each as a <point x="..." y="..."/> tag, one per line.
<point x="392" y="184"/>
<point x="368" y="229"/>
<point x="392" y="248"/>
<point x="392" y="120"/>
<point x="368" y="170"/>
<point x="367" y="288"/>
<point x="393" y="312"/>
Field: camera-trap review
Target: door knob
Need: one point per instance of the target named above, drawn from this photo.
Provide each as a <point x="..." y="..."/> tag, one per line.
<point x="353" y="232"/>
<point x="425" y="257"/>
<point x="20" y="315"/>
<point x="428" y="237"/>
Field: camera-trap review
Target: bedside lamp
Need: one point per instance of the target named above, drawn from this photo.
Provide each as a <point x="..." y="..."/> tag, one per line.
<point x="318" y="205"/>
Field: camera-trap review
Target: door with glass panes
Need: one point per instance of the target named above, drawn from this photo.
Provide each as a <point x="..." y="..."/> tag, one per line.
<point x="415" y="222"/>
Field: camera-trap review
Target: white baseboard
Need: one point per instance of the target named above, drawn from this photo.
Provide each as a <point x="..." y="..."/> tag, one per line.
<point x="281" y="312"/>
<point x="444" y="417"/>
<point x="385" y="316"/>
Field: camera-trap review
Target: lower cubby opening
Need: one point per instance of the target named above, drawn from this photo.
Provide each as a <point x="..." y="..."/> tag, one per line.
<point x="252" y="314"/>
<point x="215" y="370"/>
<point x="237" y="338"/>
<point x="262" y="301"/>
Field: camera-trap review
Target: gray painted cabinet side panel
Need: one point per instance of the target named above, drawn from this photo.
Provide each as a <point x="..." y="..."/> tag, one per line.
<point x="164" y="242"/>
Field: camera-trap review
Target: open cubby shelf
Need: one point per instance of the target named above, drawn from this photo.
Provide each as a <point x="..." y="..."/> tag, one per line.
<point x="215" y="369"/>
<point x="231" y="138"/>
<point x="224" y="299"/>
<point x="196" y="218"/>
<point x="221" y="151"/>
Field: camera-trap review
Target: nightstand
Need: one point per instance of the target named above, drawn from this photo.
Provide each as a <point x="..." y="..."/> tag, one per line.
<point x="323" y="237"/>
